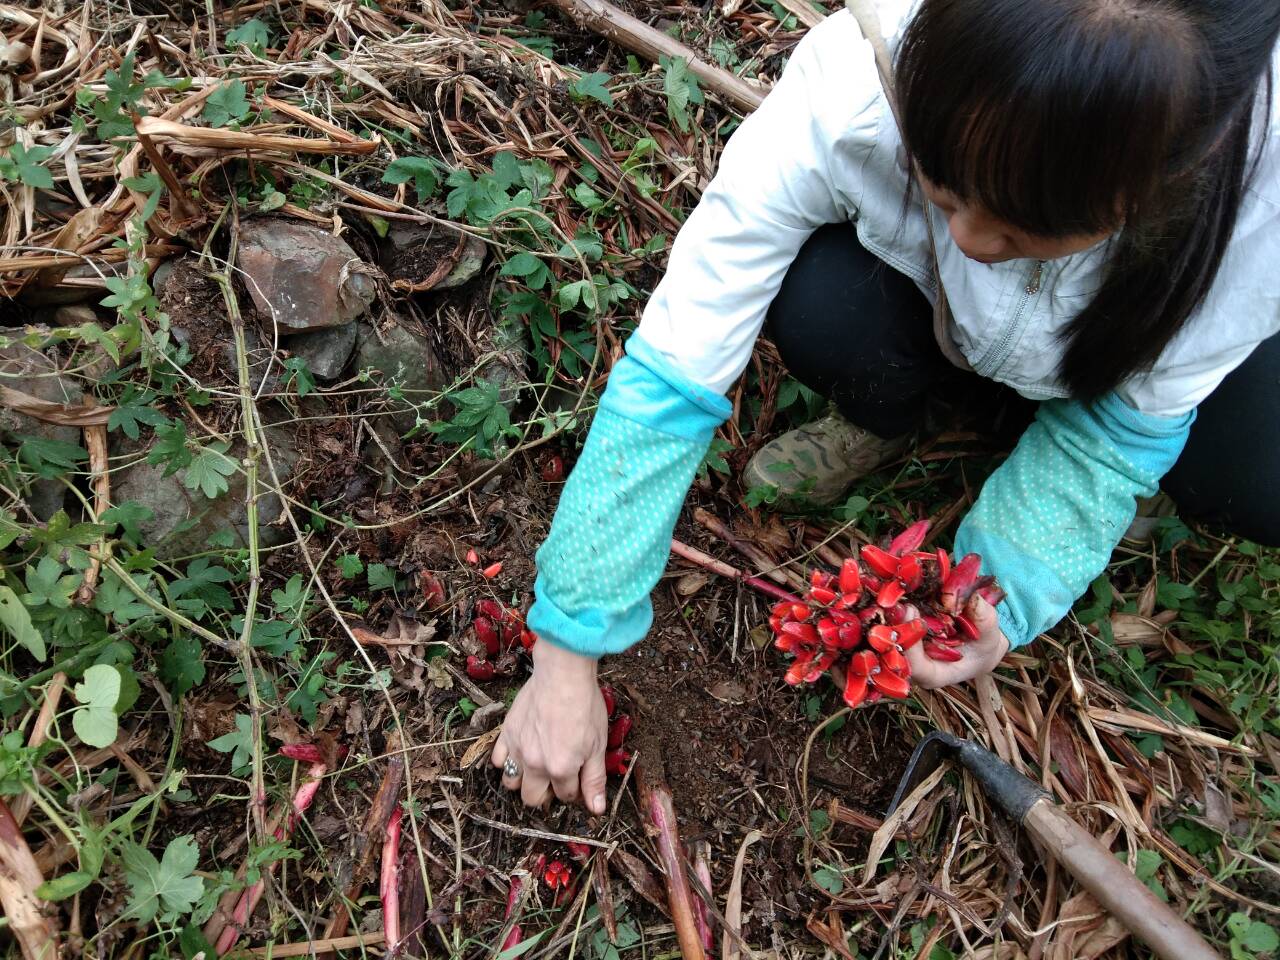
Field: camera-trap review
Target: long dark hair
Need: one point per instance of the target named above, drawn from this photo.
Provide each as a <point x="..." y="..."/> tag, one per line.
<point x="1066" y="117"/>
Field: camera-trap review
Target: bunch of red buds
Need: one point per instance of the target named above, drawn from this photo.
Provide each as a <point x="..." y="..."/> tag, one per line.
<point x="501" y="633"/>
<point x="616" y="758"/>
<point x="867" y="616"/>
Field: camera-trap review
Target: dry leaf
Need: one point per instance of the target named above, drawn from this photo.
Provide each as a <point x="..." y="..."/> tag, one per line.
<point x="691" y="583"/>
<point x="881" y="839"/>
<point x="439" y="674"/>
<point x="733" y="902"/>
<point x="63" y="414"/>
<point x="728" y="691"/>
<point x="480" y="749"/>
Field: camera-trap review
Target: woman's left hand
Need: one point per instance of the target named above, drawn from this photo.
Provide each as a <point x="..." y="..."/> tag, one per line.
<point x="980" y="656"/>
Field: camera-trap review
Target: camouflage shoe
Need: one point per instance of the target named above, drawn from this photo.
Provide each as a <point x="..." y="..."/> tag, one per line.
<point x="813" y="465"/>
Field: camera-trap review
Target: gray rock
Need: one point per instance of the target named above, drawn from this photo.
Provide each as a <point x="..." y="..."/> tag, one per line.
<point x="404" y="358"/>
<point x="36" y="374"/>
<point x="74" y="315"/>
<point x="326" y="351"/>
<point x="301" y="276"/>
<point x="183" y="521"/>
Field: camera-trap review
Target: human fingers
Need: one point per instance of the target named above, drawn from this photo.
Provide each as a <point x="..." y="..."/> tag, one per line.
<point x="592" y="779"/>
<point x="565" y="784"/>
<point x="505" y="758"/>
<point x="535" y="788"/>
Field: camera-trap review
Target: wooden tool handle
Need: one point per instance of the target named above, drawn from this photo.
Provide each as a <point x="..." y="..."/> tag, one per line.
<point x="1114" y="885"/>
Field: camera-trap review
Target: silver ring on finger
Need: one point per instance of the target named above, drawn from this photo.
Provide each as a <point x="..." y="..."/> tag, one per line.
<point x="511" y="769"/>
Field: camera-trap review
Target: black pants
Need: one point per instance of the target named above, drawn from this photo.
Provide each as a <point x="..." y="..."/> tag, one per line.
<point x="853" y="329"/>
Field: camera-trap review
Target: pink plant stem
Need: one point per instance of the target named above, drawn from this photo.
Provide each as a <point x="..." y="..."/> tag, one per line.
<point x="249" y="899"/>
<point x="389" y="888"/>
<point x="513" y="896"/>
<point x="702" y="870"/>
<point x="660" y="815"/>
<point x="701" y="559"/>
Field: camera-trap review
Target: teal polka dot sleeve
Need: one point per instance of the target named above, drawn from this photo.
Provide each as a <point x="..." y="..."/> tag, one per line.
<point x="1049" y="517"/>
<point x="611" y="534"/>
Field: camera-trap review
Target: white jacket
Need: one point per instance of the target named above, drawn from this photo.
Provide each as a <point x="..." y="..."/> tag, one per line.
<point x="823" y="148"/>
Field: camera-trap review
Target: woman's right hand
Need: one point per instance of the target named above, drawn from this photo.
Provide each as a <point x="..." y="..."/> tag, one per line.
<point x="556" y="731"/>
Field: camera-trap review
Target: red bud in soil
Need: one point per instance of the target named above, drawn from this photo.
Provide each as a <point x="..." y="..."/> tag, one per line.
<point x="616" y="762"/>
<point x="487" y="635"/>
<point x="881" y="562"/>
<point x="910" y="538"/>
<point x="782" y="609"/>
<point x="800" y="611"/>
<point x="557" y="874"/>
<point x="944" y="654"/>
<point x="306" y="752"/>
<point x="849" y="635"/>
<point x="855" y="689"/>
<point x="432" y="589"/>
<point x="828" y="632"/>
<point x="527" y="638"/>
<point x="850" y="577"/>
<point x="552" y="469"/>
<point x="492" y="570"/>
<point x="579" y="851"/>
<point x="618" y="730"/>
<point x="610" y="699"/>
<point x="488" y="607"/>
<point x="480" y="670"/>
<point x="473" y="558"/>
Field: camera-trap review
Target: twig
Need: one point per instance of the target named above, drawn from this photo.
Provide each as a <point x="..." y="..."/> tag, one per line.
<point x="638" y="37"/>
<point x="389" y="881"/>
<point x="95" y="441"/>
<point x="40" y="733"/>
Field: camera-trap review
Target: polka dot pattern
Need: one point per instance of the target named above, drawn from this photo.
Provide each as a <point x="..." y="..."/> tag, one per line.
<point x="610" y="538"/>
<point x="1048" y="519"/>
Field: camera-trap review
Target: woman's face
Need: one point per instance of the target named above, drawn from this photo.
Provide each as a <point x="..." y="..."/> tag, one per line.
<point x="983" y="238"/>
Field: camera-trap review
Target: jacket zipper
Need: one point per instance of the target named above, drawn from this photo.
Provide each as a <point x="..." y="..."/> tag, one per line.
<point x="1029" y="290"/>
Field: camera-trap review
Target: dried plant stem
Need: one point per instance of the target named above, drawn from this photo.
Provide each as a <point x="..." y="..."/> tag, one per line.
<point x="37" y="934"/>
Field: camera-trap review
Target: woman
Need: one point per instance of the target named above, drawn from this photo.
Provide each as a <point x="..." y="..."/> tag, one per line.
<point x="1100" y="180"/>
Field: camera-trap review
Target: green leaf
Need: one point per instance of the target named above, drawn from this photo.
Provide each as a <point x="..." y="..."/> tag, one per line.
<point x="50" y="458"/>
<point x="289" y="601"/>
<point x="129" y="516"/>
<point x="226" y="104"/>
<point x="521" y="948"/>
<point x="350" y="565"/>
<point x="171" y="448"/>
<point x="182" y="664"/>
<point x="521" y="265"/>
<point x="238" y="743"/>
<point x="94" y="721"/>
<point x="300" y="375"/>
<point x="127" y="416"/>
<point x="209" y="470"/>
<point x="17" y="622"/>
<point x="506" y="168"/>
<point x="24" y="163"/>
<point x="828" y="879"/>
<point x="1258" y="938"/>
<point x="275" y="637"/>
<point x="423" y="171"/>
<point x="119" y="602"/>
<point x="47" y="586"/>
<point x="592" y="85"/>
<point x="381" y="577"/>
<point x="166" y="885"/>
<point x="252" y="34"/>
